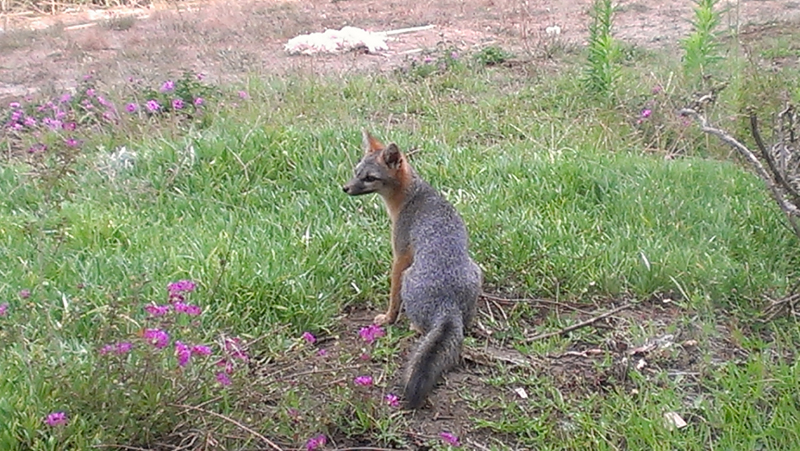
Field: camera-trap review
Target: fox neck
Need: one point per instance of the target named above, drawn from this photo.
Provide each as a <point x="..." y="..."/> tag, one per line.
<point x="398" y="196"/>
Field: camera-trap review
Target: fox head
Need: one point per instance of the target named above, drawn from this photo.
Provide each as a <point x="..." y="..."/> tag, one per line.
<point x="382" y="170"/>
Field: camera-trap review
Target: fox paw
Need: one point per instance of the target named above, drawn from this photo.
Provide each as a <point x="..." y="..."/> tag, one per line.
<point x="383" y="319"/>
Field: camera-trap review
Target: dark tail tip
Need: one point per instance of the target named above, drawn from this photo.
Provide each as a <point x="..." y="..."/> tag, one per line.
<point x="436" y="353"/>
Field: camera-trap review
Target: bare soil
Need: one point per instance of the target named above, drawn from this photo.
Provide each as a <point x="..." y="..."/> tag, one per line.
<point x="227" y="40"/>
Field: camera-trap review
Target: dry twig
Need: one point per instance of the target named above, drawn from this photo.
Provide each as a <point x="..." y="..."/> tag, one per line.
<point x="588" y="322"/>
<point x="234" y="422"/>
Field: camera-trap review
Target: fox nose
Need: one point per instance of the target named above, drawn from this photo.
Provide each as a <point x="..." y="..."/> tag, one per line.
<point x="346" y="189"/>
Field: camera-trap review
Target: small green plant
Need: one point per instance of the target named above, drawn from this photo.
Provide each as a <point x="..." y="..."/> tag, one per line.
<point x="701" y="48"/>
<point x="491" y="56"/>
<point x="120" y="23"/>
<point x="602" y="71"/>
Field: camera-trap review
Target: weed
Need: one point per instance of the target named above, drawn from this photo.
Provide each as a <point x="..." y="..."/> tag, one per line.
<point x="701" y="47"/>
<point x="602" y="70"/>
<point x="491" y="56"/>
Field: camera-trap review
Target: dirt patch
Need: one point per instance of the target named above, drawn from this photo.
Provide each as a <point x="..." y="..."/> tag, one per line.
<point x="228" y="40"/>
<point x="652" y="339"/>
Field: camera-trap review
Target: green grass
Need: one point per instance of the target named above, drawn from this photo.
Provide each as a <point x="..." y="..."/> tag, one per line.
<point x="560" y="200"/>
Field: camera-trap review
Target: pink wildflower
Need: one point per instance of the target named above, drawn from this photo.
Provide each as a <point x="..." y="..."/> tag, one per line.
<point x="371" y="333"/>
<point x="14" y="105"/>
<point x="199" y="101"/>
<point x="322" y="352"/>
<point x="168" y="85"/>
<point x="316" y="442"/>
<point x="182" y="352"/>
<point x="56" y="419"/>
<point x="646" y="113"/>
<point x="90" y="92"/>
<point x="189" y="309"/>
<point x="364" y="381"/>
<point x="392" y="400"/>
<point x="156" y="337"/>
<point x="30" y="122"/>
<point x="65" y="98"/>
<point x="450" y="439"/>
<point x="201" y="349"/>
<point x="131" y="108"/>
<point x="120" y="348"/>
<point x="177" y="104"/>
<point x="181" y="286"/>
<point x="24" y="294"/>
<point x="309" y="337"/>
<point x="157" y="310"/>
<point x="244" y="95"/>
<point x="3" y="308"/>
<point x="223" y="379"/>
<point x="152" y="106"/>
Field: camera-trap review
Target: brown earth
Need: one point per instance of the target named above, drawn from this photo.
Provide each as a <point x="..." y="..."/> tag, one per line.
<point x="227" y="40"/>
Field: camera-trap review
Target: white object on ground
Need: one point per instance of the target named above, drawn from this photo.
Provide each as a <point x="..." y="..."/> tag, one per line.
<point x="344" y="40"/>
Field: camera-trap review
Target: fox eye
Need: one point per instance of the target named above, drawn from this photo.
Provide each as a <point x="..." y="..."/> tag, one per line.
<point x="369" y="179"/>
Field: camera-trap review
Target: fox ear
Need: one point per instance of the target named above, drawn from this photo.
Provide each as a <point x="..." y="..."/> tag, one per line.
<point x="370" y="143"/>
<point x="392" y="156"/>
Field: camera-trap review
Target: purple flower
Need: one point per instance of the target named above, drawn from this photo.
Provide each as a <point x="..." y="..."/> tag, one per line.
<point x="449" y="438"/>
<point x="15" y="126"/>
<point x="102" y="100"/>
<point x="30" y="122"/>
<point x="168" y="85"/>
<point x="201" y="349"/>
<point x="199" y="101"/>
<point x="131" y="107"/>
<point x="309" y="337"/>
<point x="364" y="381"/>
<point x="646" y="113"/>
<point x="87" y="77"/>
<point x="454" y="55"/>
<point x="60" y="114"/>
<point x="152" y="106"/>
<point x="183" y="353"/>
<point x="371" y="333"/>
<point x="177" y="104"/>
<point x="244" y="95"/>
<point x="181" y="286"/>
<point x="227" y="364"/>
<point x="316" y="442"/>
<point x="223" y="379"/>
<point x="53" y="124"/>
<point x="14" y="105"/>
<point x="322" y="352"/>
<point x="3" y="308"/>
<point x="120" y="348"/>
<point x="657" y="89"/>
<point x="427" y="60"/>
<point x="157" y="310"/>
<point x="233" y="346"/>
<point x="69" y="126"/>
<point x="56" y="419"/>
<point x="72" y="142"/>
<point x="25" y="294"/>
<point x="17" y="115"/>
<point x="90" y="92"/>
<point x="65" y="98"/>
<point x="36" y="148"/>
<point x="189" y="309"/>
<point x="200" y="76"/>
<point x="108" y="115"/>
<point x="392" y="400"/>
<point x="156" y="337"/>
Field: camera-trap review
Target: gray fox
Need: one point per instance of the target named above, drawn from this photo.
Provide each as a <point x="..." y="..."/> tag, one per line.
<point x="432" y="273"/>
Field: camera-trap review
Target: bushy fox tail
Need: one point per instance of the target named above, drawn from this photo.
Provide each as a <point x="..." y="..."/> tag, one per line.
<point x="437" y="352"/>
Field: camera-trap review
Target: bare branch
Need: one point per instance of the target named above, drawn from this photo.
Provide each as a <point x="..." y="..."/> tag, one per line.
<point x="791" y="210"/>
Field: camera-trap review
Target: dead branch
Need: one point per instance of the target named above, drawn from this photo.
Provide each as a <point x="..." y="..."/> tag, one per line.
<point x="588" y="322"/>
<point x="234" y="422"/>
<point x="790" y="209"/>
<point x="773" y="167"/>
